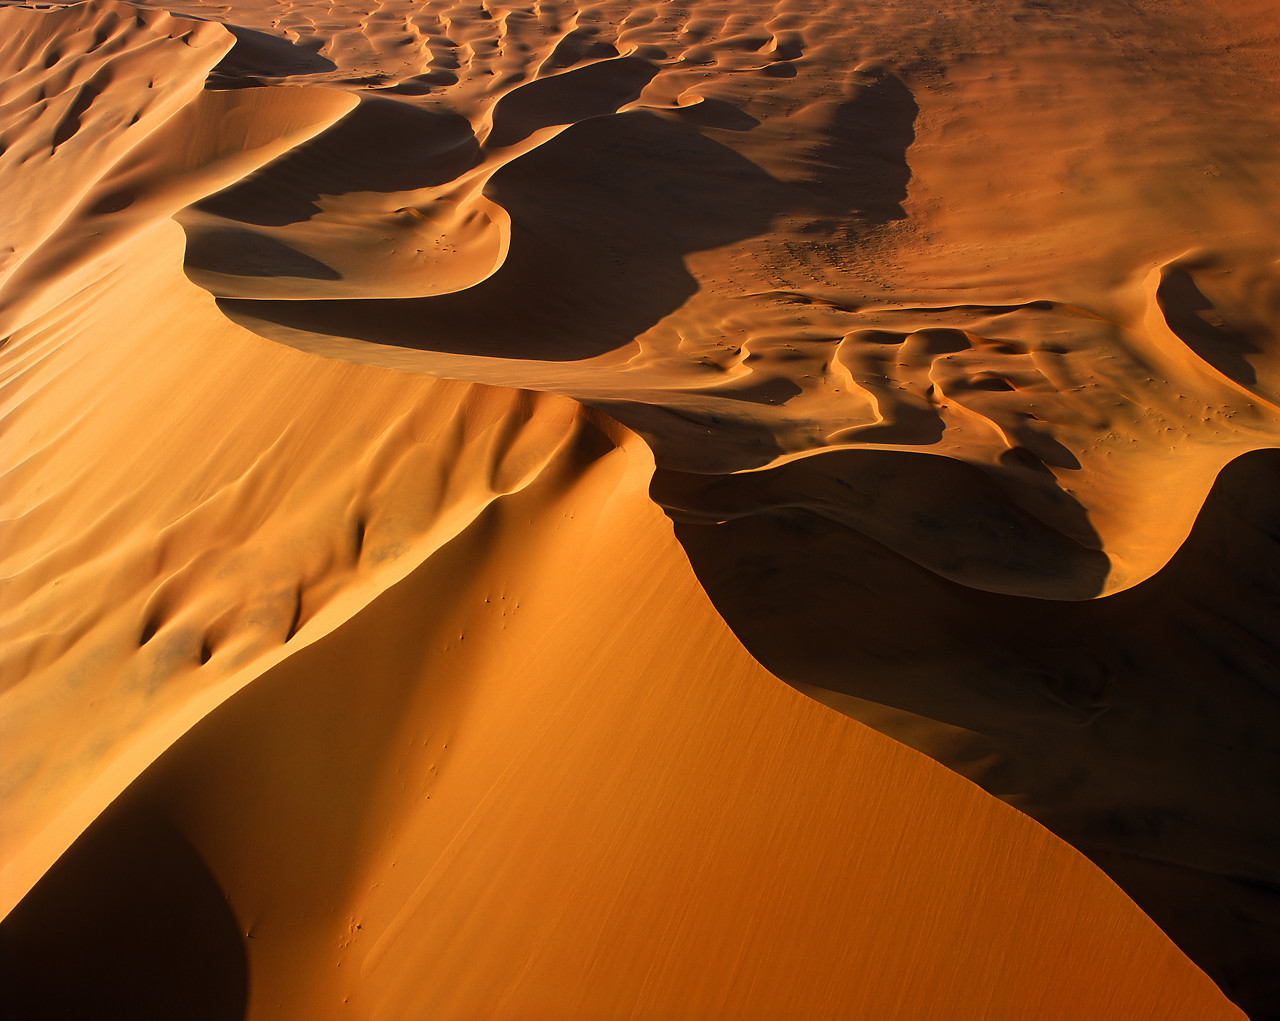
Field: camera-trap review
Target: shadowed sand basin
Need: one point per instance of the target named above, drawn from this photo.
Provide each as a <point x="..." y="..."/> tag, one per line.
<point x="434" y="434"/>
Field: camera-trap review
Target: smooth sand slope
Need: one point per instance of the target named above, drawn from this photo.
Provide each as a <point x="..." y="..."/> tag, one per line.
<point x="540" y="778"/>
<point x="364" y="673"/>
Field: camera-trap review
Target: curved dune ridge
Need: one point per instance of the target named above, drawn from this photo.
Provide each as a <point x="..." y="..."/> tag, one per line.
<point x="434" y="433"/>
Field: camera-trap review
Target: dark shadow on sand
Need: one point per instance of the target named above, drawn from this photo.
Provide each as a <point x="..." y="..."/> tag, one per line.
<point x="257" y="55"/>
<point x="1143" y="727"/>
<point x="603" y="216"/>
<point x="129" y="923"/>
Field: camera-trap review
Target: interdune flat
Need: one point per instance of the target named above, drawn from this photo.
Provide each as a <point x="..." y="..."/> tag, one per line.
<point x="573" y="510"/>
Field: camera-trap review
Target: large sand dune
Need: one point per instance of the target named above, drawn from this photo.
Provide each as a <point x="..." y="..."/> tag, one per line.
<point x="434" y="434"/>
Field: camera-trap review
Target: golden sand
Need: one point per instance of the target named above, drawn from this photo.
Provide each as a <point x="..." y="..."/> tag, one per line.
<point x="452" y="452"/>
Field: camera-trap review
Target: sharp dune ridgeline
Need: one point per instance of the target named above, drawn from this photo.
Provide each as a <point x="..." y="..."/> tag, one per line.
<point x="748" y="510"/>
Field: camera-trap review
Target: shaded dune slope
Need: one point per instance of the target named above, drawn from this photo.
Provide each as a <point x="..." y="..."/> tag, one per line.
<point x="574" y="794"/>
<point x="967" y="438"/>
<point x="150" y="603"/>
<point x="1084" y="397"/>
<point x="1135" y="726"/>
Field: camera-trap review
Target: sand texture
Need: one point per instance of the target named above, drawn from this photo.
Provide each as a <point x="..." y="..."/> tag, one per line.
<point x="592" y="510"/>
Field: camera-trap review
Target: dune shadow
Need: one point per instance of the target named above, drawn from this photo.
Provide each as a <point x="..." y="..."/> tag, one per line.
<point x="1226" y="924"/>
<point x="258" y="55"/>
<point x="861" y="166"/>
<point x="602" y="218"/>
<point x="1063" y="699"/>
<point x="569" y="97"/>
<point x="383" y="145"/>
<point x="602" y="215"/>
<point x="943" y="514"/>
<point x="1190" y="315"/>
<point x="717" y="113"/>
<point x="248" y="253"/>
<point x="129" y="923"/>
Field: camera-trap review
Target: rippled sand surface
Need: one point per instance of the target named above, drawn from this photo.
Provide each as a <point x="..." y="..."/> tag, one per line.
<point x="745" y="510"/>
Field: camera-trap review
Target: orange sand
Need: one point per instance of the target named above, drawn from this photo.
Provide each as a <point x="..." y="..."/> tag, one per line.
<point x="349" y="665"/>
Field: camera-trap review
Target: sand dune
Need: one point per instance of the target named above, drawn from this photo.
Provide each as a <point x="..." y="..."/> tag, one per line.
<point x="323" y="484"/>
<point x="573" y="794"/>
<point x="433" y="434"/>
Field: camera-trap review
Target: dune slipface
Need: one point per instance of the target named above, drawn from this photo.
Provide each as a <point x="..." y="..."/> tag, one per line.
<point x="452" y="453"/>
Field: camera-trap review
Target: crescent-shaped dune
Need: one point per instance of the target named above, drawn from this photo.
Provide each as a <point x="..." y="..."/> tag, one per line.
<point x="587" y="510"/>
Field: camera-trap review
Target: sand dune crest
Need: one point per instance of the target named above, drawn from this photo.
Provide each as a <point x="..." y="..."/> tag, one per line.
<point x="434" y="433"/>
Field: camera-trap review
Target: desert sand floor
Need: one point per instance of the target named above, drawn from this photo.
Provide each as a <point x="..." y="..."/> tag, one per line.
<point x="687" y="510"/>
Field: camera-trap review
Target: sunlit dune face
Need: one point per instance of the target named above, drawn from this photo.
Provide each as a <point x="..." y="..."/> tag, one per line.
<point x="779" y="307"/>
<point x="435" y="433"/>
